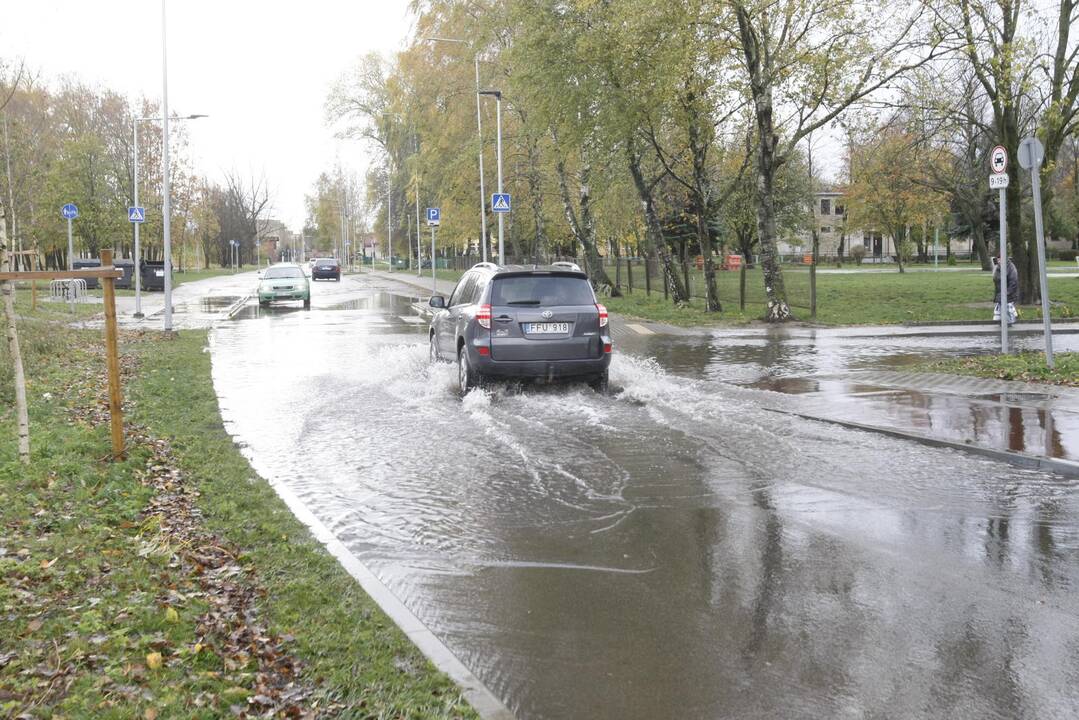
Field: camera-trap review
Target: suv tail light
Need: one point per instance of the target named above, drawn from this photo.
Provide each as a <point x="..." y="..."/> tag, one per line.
<point x="602" y="315"/>
<point x="483" y="317"/>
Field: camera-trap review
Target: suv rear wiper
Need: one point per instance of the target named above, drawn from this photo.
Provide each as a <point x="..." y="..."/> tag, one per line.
<point x="523" y="302"/>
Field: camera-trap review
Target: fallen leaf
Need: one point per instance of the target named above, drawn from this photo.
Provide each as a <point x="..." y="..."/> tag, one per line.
<point x="150" y="714"/>
<point x="153" y="661"/>
<point x="34" y="626"/>
<point x="172" y="616"/>
<point x="46" y="564"/>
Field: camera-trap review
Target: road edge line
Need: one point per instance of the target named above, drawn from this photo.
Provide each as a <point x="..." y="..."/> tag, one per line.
<point x="1062" y="467"/>
<point x="486" y="704"/>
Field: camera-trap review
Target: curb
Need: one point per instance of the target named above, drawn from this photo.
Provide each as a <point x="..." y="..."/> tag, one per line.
<point x="486" y="703"/>
<point x="236" y="307"/>
<point x="1026" y="326"/>
<point x="1068" y="468"/>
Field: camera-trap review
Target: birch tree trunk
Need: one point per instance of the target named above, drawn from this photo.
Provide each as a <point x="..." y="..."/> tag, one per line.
<point x="584" y="229"/>
<point x="15" y="352"/>
<point x="767" y="161"/>
<point x="702" y="195"/>
<point x="654" y="233"/>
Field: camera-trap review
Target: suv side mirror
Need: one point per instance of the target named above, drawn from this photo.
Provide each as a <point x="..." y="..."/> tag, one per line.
<point x="438" y="302"/>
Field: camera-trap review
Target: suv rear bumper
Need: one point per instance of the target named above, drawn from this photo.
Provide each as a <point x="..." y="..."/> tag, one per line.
<point x="538" y="368"/>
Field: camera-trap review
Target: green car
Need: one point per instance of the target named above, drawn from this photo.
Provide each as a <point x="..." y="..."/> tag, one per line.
<point x="285" y="281"/>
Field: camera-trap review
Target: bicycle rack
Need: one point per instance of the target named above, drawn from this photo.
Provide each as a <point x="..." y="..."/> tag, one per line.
<point x="67" y="290"/>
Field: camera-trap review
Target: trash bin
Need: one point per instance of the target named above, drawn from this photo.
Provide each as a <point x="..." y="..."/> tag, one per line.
<point x="153" y="275"/>
<point x="88" y="264"/>
<point x="128" y="280"/>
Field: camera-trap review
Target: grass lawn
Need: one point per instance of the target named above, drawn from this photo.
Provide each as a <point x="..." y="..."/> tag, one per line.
<point x="851" y="299"/>
<point x="877" y="298"/>
<point x="1028" y="367"/>
<point x="174" y="584"/>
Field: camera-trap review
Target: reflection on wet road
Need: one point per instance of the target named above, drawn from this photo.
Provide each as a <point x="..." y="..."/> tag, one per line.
<point x="672" y="551"/>
<point x="839" y="374"/>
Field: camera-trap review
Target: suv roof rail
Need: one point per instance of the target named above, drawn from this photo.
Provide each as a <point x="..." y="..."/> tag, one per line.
<point x="566" y="264"/>
<point x="488" y="265"/>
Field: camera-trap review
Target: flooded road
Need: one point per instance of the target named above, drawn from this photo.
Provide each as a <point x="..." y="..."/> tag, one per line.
<point x="675" y="550"/>
<point x="848" y="374"/>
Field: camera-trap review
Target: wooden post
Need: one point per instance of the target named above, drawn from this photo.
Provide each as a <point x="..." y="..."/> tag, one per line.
<point x="16" y="354"/>
<point x="112" y="356"/>
<point x="742" y="285"/>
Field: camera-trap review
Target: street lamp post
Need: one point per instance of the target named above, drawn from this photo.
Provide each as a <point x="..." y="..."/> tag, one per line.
<point x="389" y="211"/>
<point x="166" y="210"/>
<point x="135" y="198"/>
<point x="501" y="220"/>
<point x="479" y="143"/>
<point x="419" y="235"/>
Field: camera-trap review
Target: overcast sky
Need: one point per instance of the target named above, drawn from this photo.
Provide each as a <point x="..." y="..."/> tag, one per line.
<point x="261" y="71"/>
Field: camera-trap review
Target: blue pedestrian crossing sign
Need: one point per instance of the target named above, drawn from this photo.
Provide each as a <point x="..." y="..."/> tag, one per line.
<point x="434" y="216"/>
<point x="136" y="214"/>
<point x="69" y="211"/>
<point x="500" y="202"/>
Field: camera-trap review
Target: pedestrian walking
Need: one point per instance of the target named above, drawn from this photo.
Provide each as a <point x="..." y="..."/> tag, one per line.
<point x="1013" y="290"/>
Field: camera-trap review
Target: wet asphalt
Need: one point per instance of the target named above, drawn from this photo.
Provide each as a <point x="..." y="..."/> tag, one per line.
<point x="675" y="550"/>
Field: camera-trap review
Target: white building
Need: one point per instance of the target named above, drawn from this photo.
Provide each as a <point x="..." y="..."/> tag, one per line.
<point x="829" y="218"/>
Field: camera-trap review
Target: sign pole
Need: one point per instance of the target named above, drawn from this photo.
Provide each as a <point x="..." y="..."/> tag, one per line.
<point x="434" y="280"/>
<point x="70" y="212"/>
<point x="70" y="248"/>
<point x="1031" y="155"/>
<point x="1003" y="270"/>
<point x="998" y="179"/>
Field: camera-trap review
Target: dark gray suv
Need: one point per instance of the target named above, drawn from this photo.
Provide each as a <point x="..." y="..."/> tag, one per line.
<point x="524" y="322"/>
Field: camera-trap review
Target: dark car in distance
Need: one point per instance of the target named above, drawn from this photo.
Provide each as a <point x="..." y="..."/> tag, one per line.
<point x="326" y="269"/>
<point x="522" y="322"/>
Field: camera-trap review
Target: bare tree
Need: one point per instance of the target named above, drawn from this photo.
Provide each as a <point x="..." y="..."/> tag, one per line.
<point x="249" y="205"/>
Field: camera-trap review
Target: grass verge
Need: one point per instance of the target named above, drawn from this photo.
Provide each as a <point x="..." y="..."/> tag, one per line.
<point x="882" y="298"/>
<point x="1026" y="367"/>
<point x="119" y="600"/>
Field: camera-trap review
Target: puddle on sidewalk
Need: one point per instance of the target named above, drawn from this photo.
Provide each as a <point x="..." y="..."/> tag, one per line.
<point x="207" y="305"/>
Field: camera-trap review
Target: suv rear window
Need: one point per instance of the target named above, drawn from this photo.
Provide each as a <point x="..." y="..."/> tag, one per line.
<point x="326" y="261"/>
<point x="541" y="290"/>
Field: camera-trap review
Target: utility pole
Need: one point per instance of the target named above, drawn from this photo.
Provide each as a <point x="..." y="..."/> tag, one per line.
<point x="389" y="212"/>
<point x="419" y="235"/>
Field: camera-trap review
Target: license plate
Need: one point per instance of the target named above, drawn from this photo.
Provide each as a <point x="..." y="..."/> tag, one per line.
<point x="554" y="328"/>
<point x="159" y="273"/>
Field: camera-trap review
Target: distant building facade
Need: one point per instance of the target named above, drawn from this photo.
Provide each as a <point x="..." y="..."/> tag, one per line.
<point x="830" y="220"/>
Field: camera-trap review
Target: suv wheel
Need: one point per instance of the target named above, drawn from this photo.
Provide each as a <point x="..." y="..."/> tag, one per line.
<point x="466" y="378"/>
<point x="600" y="383"/>
<point x="433" y="354"/>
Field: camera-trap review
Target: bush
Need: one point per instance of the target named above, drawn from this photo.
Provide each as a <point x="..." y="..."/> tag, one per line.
<point x="952" y="262"/>
<point x="858" y="254"/>
<point x="1068" y="255"/>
